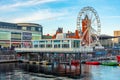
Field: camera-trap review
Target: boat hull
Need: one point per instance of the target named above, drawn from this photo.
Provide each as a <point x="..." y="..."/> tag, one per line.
<point x="109" y="63"/>
<point x="92" y="62"/>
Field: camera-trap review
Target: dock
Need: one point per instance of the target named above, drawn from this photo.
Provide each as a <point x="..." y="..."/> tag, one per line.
<point x="8" y="56"/>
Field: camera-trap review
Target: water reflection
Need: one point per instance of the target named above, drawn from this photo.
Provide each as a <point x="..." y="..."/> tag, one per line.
<point x="22" y="71"/>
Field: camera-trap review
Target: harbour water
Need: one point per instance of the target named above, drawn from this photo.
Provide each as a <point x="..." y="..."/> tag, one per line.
<point x="21" y="71"/>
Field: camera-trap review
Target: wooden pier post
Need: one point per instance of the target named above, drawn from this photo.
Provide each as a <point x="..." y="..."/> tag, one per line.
<point x="70" y="61"/>
<point x="80" y="63"/>
<point x="53" y="58"/>
<point x="38" y="61"/>
<point x="28" y="56"/>
<point x="65" y="63"/>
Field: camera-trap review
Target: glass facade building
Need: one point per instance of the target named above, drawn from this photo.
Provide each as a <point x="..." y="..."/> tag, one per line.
<point x="19" y="34"/>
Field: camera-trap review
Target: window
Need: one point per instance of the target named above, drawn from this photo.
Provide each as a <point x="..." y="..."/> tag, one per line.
<point x="57" y="46"/>
<point x="49" y="42"/>
<point x="39" y="29"/>
<point x="35" y="46"/>
<point x="41" y="41"/>
<point x="19" y="27"/>
<point x="76" y="43"/>
<point x="49" y="45"/>
<point x="23" y="28"/>
<point x="33" y="28"/>
<point x="65" y="45"/>
<point x="29" y="28"/>
<point x="42" y="45"/>
<point x="57" y="41"/>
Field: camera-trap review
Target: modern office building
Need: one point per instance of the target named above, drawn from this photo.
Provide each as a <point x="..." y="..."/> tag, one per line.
<point x="19" y="34"/>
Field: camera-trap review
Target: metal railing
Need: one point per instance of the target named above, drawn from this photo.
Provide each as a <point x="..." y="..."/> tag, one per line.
<point x="65" y="50"/>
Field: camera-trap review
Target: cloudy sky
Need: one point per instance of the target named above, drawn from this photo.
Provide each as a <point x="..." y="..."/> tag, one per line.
<point x="52" y="14"/>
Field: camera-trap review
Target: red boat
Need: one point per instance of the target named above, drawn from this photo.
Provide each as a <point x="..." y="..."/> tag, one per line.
<point x="92" y="62"/>
<point x="75" y="62"/>
<point x="118" y="58"/>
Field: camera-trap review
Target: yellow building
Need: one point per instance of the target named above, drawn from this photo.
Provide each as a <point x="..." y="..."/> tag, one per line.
<point x="117" y="33"/>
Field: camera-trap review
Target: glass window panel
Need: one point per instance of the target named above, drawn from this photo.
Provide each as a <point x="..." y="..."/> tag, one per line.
<point x="42" y="45"/>
<point x="23" y="28"/>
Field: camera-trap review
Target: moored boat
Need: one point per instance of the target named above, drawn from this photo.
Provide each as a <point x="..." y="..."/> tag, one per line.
<point x="92" y="62"/>
<point x="118" y="58"/>
<point x="109" y="63"/>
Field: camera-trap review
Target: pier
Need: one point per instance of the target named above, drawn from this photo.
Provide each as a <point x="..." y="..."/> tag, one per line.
<point x="7" y="56"/>
<point x="64" y="55"/>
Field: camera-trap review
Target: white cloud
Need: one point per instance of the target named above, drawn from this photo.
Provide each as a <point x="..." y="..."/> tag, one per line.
<point x="39" y="15"/>
<point x="24" y="3"/>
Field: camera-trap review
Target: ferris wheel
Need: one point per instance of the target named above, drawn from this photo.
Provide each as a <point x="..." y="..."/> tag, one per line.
<point x="88" y="25"/>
